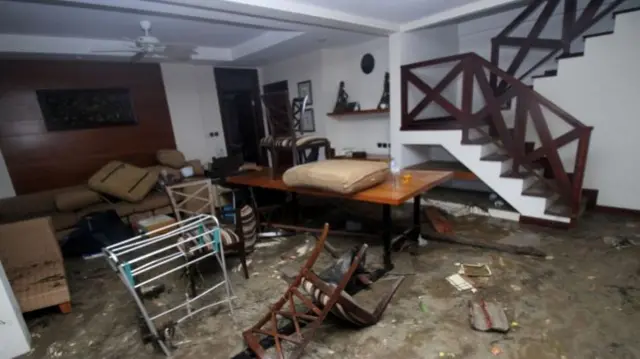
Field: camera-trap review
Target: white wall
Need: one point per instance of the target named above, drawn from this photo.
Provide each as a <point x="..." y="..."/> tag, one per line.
<point x="361" y="132"/>
<point x="406" y="48"/>
<point x="476" y="34"/>
<point x="298" y="69"/>
<point x="195" y="112"/>
<point x="601" y="90"/>
<point x="326" y="68"/>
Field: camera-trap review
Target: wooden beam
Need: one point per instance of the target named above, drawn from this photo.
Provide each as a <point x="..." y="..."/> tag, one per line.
<point x="437" y="90"/>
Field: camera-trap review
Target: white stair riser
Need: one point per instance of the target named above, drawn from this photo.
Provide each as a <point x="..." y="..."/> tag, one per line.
<point x="488" y="171"/>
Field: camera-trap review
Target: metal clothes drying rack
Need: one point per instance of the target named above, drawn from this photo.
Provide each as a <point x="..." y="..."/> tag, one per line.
<point x="178" y="246"/>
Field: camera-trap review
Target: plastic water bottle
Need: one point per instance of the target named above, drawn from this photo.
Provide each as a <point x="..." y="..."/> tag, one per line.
<point x="395" y="172"/>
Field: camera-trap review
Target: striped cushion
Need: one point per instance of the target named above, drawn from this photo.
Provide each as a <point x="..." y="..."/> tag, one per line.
<point x="321" y="299"/>
<point x="249" y="226"/>
<point x="228" y="235"/>
<point x="284" y="142"/>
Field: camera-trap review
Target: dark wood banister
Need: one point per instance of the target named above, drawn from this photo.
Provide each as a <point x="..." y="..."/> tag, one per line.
<point x="528" y="103"/>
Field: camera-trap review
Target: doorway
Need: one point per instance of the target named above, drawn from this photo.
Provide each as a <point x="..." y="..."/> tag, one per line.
<point x="239" y="98"/>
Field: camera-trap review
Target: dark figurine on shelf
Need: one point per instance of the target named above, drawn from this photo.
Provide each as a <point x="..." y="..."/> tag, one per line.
<point x="384" y="100"/>
<point x="342" y="101"/>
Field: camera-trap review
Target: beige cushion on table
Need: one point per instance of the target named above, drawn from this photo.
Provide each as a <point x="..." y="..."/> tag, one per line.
<point x="171" y="158"/>
<point x="123" y="181"/>
<point x="341" y="176"/>
<point x="77" y="199"/>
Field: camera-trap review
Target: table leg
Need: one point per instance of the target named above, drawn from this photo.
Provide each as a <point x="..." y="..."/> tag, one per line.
<point x="416" y="212"/>
<point x="294" y="208"/>
<point x="386" y="236"/>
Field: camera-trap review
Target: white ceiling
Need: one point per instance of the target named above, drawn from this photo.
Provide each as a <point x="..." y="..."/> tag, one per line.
<point x="399" y="11"/>
<point x="234" y="32"/>
<point x="67" y="21"/>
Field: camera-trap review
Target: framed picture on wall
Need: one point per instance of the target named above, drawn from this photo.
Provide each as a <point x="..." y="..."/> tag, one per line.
<point x="308" y="123"/>
<point x="304" y="89"/>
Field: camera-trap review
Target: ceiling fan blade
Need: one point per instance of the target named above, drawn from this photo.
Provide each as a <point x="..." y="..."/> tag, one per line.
<point x="113" y="51"/>
<point x="179" y="48"/>
<point x="137" y="57"/>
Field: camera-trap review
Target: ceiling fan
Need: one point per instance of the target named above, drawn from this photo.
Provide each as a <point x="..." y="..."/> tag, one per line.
<point x="147" y="45"/>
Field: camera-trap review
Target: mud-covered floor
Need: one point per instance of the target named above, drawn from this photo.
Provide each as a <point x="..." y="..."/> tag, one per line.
<point x="582" y="301"/>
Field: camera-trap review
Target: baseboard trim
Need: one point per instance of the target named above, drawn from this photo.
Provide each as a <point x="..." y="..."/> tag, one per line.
<point x="546" y="222"/>
<point x="617" y="210"/>
<point x="591" y="197"/>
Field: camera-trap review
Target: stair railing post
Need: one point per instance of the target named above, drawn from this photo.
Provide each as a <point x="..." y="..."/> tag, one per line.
<point x="579" y="169"/>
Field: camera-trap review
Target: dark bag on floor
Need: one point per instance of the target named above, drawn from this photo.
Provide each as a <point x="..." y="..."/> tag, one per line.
<point x="95" y="231"/>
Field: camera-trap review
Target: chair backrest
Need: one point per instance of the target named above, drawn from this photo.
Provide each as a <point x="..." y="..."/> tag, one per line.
<point x="191" y="198"/>
<point x="284" y="118"/>
<point x="248" y="224"/>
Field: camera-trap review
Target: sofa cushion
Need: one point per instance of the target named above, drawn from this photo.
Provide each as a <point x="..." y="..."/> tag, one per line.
<point x="64" y="220"/>
<point x="32" y="205"/>
<point x="122" y="208"/>
<point x="171" y="158"/>
<point x="153" y="201"/>
<point x="76" y="199"/>
<point x="341" y="176"/>
<point x="123" y="181"/>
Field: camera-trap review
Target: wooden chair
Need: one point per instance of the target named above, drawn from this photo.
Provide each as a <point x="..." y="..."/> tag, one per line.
<point x="284" y="120"/>
<point x="325" y="298"/>
<point x="197" y="197"/>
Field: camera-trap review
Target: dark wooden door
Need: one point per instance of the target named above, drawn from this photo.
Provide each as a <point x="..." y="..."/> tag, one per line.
<point x="240" y="134"/>
<point x="239" y="97"/>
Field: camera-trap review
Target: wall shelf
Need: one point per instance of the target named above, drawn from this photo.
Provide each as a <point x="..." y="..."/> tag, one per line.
<point x="356" y="113"/>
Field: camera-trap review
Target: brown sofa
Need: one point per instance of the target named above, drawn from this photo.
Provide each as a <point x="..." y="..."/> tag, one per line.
<point x="43" y="204"/>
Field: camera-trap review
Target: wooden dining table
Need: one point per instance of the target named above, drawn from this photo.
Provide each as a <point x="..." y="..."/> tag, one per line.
<point x="410" y="184"/>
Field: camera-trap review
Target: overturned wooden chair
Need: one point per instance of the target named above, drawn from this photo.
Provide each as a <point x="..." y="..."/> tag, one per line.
<point x="325" y="298"/>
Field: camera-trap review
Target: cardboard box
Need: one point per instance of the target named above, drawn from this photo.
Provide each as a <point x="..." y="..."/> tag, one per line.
<point x="152" y="223"/>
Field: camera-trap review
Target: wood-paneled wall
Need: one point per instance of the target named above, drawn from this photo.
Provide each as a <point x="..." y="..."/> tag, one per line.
<point x="38" y="159"/>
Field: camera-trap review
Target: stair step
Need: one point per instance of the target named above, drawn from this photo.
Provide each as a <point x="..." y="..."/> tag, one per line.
<point x="559" y="208"/>
<point x="460" y="172"/>
<point x="631" y="9"/>
<point x="568" y="56"/>
<point x="597" y="34"/>
<point x="478" y="141"/>
<point x="548" y="73"/>
<point x="498" y="157"/>
<point x="512" y="174"/>
<point x="539" y="189"/>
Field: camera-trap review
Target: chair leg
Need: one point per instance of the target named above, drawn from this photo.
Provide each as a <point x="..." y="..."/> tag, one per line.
<point x="241" y="245"/>
<point x="275" y="162"/>
<point x="243" y="258"/>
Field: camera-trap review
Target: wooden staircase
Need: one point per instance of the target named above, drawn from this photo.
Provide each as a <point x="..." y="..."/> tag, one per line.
<point x="508" y="145"/>
<point x="525" y="148"/>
